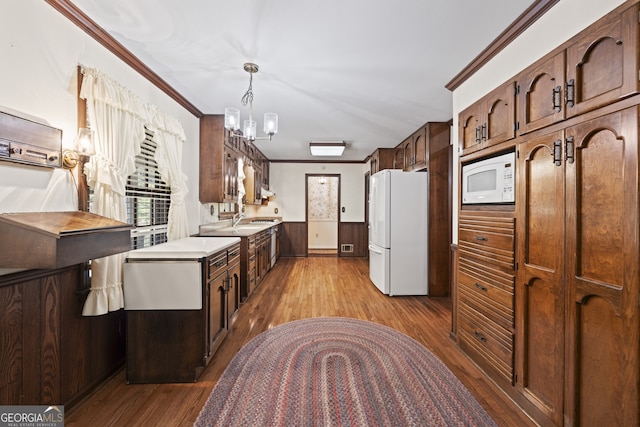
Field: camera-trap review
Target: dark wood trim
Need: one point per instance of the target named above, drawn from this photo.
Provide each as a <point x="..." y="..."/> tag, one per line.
<point x="83" y="189"/>
<point x="453" y="268"/>
<point x="75" y="15"/>
<point x="524" y="21"/>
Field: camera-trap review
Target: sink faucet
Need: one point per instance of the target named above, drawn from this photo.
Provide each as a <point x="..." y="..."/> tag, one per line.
<point x="234" y="221"/>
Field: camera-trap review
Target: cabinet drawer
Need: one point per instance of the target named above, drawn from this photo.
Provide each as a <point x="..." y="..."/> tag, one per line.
<point x="484" y="237"/>
<point x="492" y="257"/>
<point x="233" y="254"/>
<point x="486" y="273"/>
<point x="490" y="345"/>
<point x="480" y="301"/>
<point x="216" y="264"/>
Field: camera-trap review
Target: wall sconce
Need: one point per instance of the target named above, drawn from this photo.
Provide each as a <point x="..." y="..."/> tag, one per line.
<point x="326" y="148"/>
<point x="82" y="146"/>
<point x="84" y="142"/>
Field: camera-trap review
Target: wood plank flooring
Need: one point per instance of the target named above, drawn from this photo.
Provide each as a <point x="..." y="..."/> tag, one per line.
<point x="296" y="288"/>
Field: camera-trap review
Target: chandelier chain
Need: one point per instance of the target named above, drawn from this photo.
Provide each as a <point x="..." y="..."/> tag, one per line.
<point x="248" y="96"/>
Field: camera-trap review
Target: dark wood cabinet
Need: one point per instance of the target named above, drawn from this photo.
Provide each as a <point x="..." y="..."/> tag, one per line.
<point x="596" y="67"/>
<point x="220" y="152"/>
<point x="50" y="353"/>
<point x="415" y="150"/>
<point x="576" y="346"/>
<point x="381" y="159"/>
<point x="540" y="285"/>
<point x="541" y="97"/>
<point x="576" y="296"/>
<point x="485" y="294"/>
<point x="159" y="350"/>
<point x="218" y="175"/>
<point x="603" y="62"/>
<point x="489" y="121"/>
<point x="398" y="156"/>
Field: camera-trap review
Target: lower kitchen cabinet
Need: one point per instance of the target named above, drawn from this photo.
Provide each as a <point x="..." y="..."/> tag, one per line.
<point x="176" y="345"/>
<point x="486" y="276"/>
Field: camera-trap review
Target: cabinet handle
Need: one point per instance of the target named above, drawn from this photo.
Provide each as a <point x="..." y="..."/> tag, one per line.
<point x="570" y="92"/>
<point x="478" y="134"/>
<point x="557" y="152"/>
<point x="482" y="238"/>
<point x="219" y="263"/>
<point x="484" y="132"/>
<point x="556" y="98"/>
<point x="479" y="286"/>
<point x="479" y="336"/>
<point x="569" y="150"/>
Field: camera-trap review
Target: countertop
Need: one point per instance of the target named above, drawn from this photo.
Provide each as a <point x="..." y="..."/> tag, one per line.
<point x="187" y="248"/>
<point x="244" y="229"/>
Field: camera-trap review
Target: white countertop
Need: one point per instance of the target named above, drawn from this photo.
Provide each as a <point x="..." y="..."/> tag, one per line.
<point x="187" y="248"/>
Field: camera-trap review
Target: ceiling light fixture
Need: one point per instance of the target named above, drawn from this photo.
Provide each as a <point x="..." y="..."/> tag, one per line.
<point x="232" y="115"/>
<point x="326" y="148"/>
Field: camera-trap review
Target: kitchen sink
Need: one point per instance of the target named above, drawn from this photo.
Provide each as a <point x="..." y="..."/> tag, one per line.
<point x="242" y="227"/>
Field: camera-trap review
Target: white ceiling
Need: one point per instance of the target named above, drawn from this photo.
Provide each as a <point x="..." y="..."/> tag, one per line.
<point x="366" y="72"/>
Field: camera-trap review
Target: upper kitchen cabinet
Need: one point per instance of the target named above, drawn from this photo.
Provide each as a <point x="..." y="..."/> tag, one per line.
<point x="381" y="159"/>
<point x="595" y="68"/>
<point x="398" y="156"/>
<point x="489" y="121"/>
<point x="415" y="150"/>
<point x="218" y="161"/>
<point x="220" y="154"/>
<point x="602" y="62"/>
<point x="541" y="88"/>
<point x="412" y="154"/>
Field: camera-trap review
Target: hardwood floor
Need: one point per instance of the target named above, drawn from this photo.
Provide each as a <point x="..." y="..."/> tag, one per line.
<point x="296" y="288"/>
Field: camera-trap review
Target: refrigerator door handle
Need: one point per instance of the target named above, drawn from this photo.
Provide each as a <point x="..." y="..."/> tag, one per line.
<point x="374" y="249"/>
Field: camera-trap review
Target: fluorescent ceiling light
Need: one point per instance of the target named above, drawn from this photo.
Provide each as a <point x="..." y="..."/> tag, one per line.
<point x="326" y="148"/>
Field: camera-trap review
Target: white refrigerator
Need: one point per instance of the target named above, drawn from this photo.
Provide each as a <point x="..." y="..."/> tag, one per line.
<point x="398" y="227"/>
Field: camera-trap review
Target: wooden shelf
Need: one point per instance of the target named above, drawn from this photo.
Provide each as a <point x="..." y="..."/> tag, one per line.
<point x="59" y="239"/>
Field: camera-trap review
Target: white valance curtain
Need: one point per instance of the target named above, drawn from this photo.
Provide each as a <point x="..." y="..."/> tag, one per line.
<point x="118" y="118"/>
<point x="169" y="136"/>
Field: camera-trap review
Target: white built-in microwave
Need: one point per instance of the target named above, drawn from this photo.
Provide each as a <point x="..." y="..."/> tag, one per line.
<point x="489" y="180"/>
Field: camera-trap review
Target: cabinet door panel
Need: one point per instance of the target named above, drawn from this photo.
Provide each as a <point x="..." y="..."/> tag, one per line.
<point x="602" y="64"/>
<point x="398" y="157"/>
<point x="539" y="284"/>
<point x="470" y="132"/>
<point x="419" y="141"/>
<point x="407" y="149"/>
<point x="500" y="115"/>
<point x="216" y="313"/>
<point x="541" y="94"/>
<point x="602" y="283"/>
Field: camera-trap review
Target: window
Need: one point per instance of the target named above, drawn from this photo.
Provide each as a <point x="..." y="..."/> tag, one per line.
<point x="147" y="198"/>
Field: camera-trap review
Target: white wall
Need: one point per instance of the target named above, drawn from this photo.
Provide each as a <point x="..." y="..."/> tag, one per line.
<point x="40" y="51"/>
<point x="559" y="24"/>
<point x="288" y="182"/>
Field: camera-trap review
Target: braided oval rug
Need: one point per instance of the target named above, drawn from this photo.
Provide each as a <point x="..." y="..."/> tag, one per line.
<point x="338" y="372"/>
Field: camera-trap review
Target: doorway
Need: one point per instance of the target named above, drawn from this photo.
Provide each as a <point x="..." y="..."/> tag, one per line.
<point x="323" y="214"/>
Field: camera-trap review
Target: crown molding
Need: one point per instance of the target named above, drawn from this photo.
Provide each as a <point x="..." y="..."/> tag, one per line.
<point x="75" y="15"/>
<point x="524" y="21"/>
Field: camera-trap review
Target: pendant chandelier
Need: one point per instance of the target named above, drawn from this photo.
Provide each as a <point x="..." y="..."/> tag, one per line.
<point x="232" y="115"/>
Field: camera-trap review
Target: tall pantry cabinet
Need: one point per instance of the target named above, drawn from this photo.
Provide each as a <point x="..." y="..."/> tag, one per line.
<point x="577" y="284"/>
<point x="575" y="355"/>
